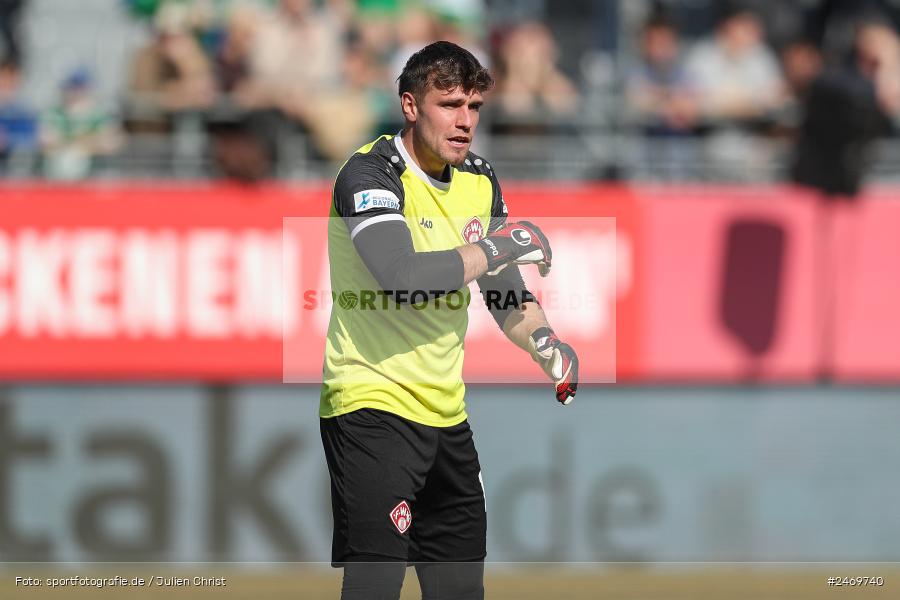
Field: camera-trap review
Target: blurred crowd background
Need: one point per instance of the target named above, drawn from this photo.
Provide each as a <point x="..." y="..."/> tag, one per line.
<point x="586" y="89"/>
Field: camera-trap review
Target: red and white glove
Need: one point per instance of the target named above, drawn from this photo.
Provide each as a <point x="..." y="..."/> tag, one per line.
<point x="522" y="243"/>
<point x="558" y="360"/>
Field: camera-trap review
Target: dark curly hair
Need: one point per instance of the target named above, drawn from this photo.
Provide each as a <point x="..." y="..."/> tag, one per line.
<point x="445" y="66"/>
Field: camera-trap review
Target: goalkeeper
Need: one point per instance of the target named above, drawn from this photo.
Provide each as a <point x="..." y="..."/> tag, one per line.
<point x="417" y="217"/>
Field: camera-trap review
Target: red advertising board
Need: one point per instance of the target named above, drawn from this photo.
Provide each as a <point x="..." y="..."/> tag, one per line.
<point x="203" y="282"/>
<point x="199" y="281"/>
<point x="143" y="281"/>
<point x="863" y="271"/>
<point x="728" y="282"/>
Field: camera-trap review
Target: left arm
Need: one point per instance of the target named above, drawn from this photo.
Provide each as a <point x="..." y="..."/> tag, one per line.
<point x="519" y="315"/>
<point x="524" y="323"/>
<point x="521" y="323"/>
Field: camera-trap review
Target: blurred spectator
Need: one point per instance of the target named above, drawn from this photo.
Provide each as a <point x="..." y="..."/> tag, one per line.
<point x="171" y="74"/>
<point x="846" y="108"/>
<point x="877" y="52"/>
<point x="296" y="53"/>
<point x="18" y="124"/>
<point x="382" y="25"/>
<point x="342" y="119"/>
<point x="414" y="29"/>
<point x="661" y="96"/>
<point x="461" y="22"/>
<point x="832" y="24"/>
<point x="737" y="76"/>
<point x="232" y="61"/>
<point x="209" y="20"/>
<point x="244" y="127"/>
<point x="418" y="26"/>
<point x="76" y="132"/>
<point x="801" y="63"/>
<point x="10" y="19"/>
<point x="531" y="89"/>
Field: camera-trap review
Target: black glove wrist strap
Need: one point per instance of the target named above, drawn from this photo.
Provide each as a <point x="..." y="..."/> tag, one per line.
<point x="495" y="253"/>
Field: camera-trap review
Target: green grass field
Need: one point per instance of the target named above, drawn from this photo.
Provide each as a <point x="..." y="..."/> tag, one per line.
<point x="754" y="582"/>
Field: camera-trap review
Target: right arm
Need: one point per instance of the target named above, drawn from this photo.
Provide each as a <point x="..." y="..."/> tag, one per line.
<point x="369" y="197"/>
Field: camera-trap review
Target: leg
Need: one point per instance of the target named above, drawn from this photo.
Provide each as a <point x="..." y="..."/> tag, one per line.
<point x="451" y="580"/>
<point x="377" y="463"/>
<point x="370" y="580"/>
<point x="449" y="542"/>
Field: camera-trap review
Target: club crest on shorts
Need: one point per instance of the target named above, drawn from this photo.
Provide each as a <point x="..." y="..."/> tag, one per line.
<point x="401" y="516"/>
<point x="473" y="231"/>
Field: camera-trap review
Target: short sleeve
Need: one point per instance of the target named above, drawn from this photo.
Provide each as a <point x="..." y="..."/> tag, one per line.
<point x="499" y="212"/>
<point x="368" y="191"/>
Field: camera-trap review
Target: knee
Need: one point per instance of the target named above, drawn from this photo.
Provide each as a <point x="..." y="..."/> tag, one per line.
<point x="452" y="581"/>
<point x="370" y="579"/>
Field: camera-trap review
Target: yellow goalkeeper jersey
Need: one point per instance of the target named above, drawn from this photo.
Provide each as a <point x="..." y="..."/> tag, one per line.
<point x="405" y="358"/>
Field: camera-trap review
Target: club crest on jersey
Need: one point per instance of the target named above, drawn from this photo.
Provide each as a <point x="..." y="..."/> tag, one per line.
<point x="369" y="199"/>
<point x="473" y="231"/>
<point x="401" y="516"/>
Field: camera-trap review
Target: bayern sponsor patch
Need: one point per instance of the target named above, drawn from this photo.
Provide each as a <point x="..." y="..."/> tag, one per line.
<point x="401" y="516"/>
<point x="473" y="231"/>
<point x="369" y="199"/>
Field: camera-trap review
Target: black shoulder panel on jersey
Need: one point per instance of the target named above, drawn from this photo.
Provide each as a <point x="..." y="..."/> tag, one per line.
<point x="369" y="185"/>
<point x="386" y="148"/>
<point x="477" y="165"/>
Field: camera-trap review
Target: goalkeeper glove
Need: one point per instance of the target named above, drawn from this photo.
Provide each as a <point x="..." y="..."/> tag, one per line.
<point x="522" y="243"/>
<point x="558" y="360"/>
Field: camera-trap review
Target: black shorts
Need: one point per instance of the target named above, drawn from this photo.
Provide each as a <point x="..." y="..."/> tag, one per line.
<point x="403" y="491"/>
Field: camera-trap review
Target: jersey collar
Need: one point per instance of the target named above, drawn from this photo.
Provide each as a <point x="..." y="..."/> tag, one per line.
<point x="441" y="185"/>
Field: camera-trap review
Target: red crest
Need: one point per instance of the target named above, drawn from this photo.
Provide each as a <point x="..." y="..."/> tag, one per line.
<point x="473" y="231"/>
<point x="401" y="516"/>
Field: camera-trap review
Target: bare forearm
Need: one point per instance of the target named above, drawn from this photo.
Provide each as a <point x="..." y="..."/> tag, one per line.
<point x="475" y="262"/>
<point x="519" y="326"/>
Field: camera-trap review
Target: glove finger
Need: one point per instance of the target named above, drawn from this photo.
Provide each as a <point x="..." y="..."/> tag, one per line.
<point x="567" y="386"/>
<point x="566" y="394"/>
<point x="565" y="391"/>
<point x="555" y="366"/>
<point x="497" y="270"/>
<point x="536" y="256"/>
<point x="564" y="362"/>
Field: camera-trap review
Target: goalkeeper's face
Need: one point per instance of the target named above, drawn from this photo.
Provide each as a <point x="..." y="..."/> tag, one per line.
<point x="445" y="123"/>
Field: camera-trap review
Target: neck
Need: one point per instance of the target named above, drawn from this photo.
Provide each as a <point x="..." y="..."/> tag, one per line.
<point x="418" y="152"/>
